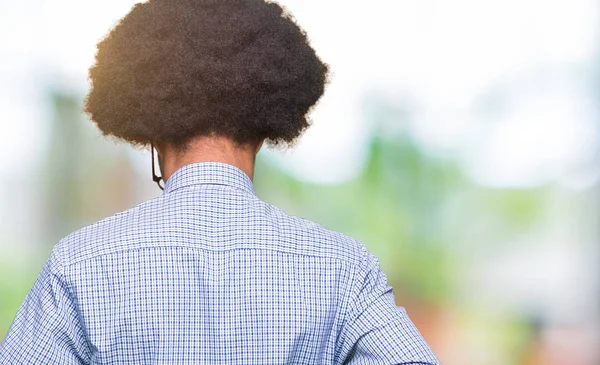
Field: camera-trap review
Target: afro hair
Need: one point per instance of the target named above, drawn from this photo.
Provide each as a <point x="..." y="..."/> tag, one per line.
<point x="172" y="70"/>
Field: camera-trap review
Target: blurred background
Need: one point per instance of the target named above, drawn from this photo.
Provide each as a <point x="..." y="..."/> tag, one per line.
<point x="459" y="140"/>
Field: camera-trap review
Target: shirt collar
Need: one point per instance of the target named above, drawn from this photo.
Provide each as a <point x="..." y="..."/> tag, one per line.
<point x="212" y="173"/>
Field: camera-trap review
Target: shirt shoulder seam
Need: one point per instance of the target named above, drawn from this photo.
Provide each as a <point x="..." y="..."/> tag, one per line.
<point x="63" y="266"/>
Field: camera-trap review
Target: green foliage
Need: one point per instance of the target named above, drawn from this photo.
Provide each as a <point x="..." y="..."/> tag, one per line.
<point x="15" y="282"/>
<point x="520" y="208"/>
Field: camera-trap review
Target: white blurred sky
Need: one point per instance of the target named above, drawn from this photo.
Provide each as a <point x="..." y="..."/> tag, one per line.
<point x="437" y="58"/>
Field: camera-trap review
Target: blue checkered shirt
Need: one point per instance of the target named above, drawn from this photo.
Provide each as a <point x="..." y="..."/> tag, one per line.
<point x="209" y="274"/>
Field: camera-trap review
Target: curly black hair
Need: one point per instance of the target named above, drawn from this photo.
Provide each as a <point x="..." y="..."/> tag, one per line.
<point x="172" y="70"/>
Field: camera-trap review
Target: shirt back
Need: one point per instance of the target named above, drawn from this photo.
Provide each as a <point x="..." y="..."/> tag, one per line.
<point x="209" y="274"/>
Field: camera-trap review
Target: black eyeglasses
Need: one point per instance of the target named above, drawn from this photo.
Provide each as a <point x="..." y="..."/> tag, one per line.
<point x="155" y="178"/>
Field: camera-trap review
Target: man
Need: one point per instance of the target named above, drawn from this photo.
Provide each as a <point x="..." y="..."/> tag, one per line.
<point x="207" y="273"/>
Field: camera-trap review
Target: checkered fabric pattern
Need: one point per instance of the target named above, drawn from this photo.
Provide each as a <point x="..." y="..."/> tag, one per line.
<point x="209" y="274"/>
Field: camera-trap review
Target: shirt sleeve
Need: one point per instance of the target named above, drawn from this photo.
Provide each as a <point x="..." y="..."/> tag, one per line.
<point x="377" y="331"/>
<point x="47" y="328"/>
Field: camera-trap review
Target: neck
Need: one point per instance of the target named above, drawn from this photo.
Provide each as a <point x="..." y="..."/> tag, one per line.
<point x="208" y="149"/>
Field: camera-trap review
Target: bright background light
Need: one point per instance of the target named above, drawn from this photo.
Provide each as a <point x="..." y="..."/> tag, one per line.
<point x="446" y="55"/>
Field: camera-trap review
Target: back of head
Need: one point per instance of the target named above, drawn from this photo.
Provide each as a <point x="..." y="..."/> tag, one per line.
<point x="173" y="70"/>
